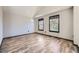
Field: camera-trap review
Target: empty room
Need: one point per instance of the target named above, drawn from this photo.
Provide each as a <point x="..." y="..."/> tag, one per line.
<point x="39" y="29"/>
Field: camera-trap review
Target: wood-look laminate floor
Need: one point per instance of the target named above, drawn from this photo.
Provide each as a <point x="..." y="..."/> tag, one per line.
<point x="37" y="43"/>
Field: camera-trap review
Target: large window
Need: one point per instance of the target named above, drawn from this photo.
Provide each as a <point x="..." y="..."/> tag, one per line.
<point x="41" y="24"/>
<point x="54" y="23"/>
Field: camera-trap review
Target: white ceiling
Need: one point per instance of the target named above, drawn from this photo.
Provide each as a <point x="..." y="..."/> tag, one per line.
<point x="32" y="11"/>
<point x="28" y="11"/>
<point x="51" y="9"/>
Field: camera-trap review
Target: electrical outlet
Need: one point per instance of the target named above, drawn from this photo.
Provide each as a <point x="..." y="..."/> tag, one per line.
<point x="28" y="30"/>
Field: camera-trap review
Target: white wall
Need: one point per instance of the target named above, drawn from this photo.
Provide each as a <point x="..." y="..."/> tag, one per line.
<point x="66" y="24"/>
<point x="16" y="25"/>
<point x="1" y="32"/>
<point x="76" y="25"/>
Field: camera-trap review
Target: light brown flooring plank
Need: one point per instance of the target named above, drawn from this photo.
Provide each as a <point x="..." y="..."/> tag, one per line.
<point x="37" y="43"/>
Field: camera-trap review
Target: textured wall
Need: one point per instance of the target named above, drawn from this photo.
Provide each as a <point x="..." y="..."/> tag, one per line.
<point x="1" y="28"/>
<point x="66" y="24"/>
<point x="16" y="25"/>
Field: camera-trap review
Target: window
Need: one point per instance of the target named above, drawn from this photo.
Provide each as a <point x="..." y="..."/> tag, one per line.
<point x="41" y="24"/>
<point x="54" y="23"/>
